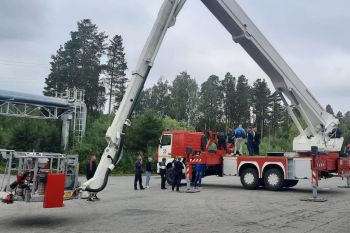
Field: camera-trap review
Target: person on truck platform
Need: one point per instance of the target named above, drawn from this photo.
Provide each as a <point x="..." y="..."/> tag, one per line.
<point x="212" y="148"/>
<point x="256" y="141"/>
<point x="222" y="141"/>
<point x="204" y="141"/>
<point x="250" y="140"/>
<point x="239" y="136"/>
<point x="230" y="136"/>
<point x="347" y="150"/>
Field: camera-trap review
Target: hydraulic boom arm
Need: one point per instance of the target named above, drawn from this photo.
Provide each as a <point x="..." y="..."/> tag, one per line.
<point x="114" y="136"/>
<point x="321" y="125"/>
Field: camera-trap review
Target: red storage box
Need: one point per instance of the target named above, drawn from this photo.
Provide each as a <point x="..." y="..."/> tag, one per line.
<point x="54" y="191"/>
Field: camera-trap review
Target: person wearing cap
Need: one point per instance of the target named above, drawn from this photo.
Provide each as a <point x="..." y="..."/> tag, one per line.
<point x="162" y="172"/>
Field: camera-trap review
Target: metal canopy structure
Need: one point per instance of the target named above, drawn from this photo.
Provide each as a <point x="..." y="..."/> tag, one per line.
<point x="32" y="106"/>
<point x="70" y="108"/>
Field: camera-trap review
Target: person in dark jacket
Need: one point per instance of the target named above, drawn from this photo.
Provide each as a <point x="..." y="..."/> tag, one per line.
<point x="230" y="135"/>
<point x="138" y="173"/>
<point x="256" y="142"/>
<point x="250" y="140"/>
<point x="204" y="141"/>
<point x="222" y="141"/>
<point x="177" y="174"/>
<point x="90" y="172"/>
<point x="162" y="172"/>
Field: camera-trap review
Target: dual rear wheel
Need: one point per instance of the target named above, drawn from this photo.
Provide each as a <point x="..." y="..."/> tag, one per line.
<point x="273" y="179"/>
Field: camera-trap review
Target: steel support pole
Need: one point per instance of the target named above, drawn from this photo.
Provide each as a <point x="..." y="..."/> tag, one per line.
<point x="315" y="177"/>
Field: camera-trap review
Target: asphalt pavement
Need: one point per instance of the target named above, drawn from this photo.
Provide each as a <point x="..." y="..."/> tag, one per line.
<point x="222" y="205"/>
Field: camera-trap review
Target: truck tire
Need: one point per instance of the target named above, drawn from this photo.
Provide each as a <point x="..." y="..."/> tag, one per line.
<point x="290" y="183"/>
<point x="273" y="179"/>
<point x="170" y="176"/>
<point x="250" y="178"/>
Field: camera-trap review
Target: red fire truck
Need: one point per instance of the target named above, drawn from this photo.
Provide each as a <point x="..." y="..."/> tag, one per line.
<point x="274" y="170"/>
<point x="316" y="147"/>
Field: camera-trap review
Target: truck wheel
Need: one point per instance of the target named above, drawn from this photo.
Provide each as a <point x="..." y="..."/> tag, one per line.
<point x="290" y="183"/>
<point x="170" y="176"/>
<point x="250" y="178"/>
<point x="273" y="179"/>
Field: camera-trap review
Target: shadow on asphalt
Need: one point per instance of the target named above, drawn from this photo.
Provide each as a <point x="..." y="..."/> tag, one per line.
<point x="34" y="222"/>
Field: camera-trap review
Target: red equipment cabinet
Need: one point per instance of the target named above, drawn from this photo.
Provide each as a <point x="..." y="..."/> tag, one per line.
<point x="54" y="191"/>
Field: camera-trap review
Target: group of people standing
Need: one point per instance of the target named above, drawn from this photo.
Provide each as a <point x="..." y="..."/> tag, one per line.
<point x="238" y="136"/>
<point x="139" y="171"/>
<point x="177" y="170"/>
<point x="233" y="138"/>
<point x="253" y="140"/>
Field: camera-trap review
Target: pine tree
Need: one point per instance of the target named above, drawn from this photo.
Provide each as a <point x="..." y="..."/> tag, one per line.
<point x="159" y="99"/>
<point x="57" y="80"/>
<point x="77" y="65"/>
<point x="210" y="103"/>
<point x="229" y="89"/>
<point x="276" y="113"/>
<point x="339" y="115"/>
<point x="260" y="100"/>
<point x="115" y="71"/>
<point x="184" y="97"/>
<point x="241" y="115"/>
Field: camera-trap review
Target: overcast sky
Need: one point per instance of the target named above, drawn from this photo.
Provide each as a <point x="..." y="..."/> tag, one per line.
<point x="312" y="36"/>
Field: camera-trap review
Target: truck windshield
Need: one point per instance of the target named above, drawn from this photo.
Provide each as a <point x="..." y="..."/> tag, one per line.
<point x="166" y="140"/>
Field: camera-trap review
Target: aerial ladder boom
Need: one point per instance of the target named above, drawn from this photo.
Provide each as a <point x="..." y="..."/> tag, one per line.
<point x="114" y="136"/>
<point x="320" y="124"/>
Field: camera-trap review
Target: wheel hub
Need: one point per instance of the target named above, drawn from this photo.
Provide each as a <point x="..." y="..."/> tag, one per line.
<point x="249" y="178"/>
<point x="273" y="179"/>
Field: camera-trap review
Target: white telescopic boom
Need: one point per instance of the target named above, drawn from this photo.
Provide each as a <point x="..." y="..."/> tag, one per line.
<point x="114" y="136"/>
<point x="321" y="125"/>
